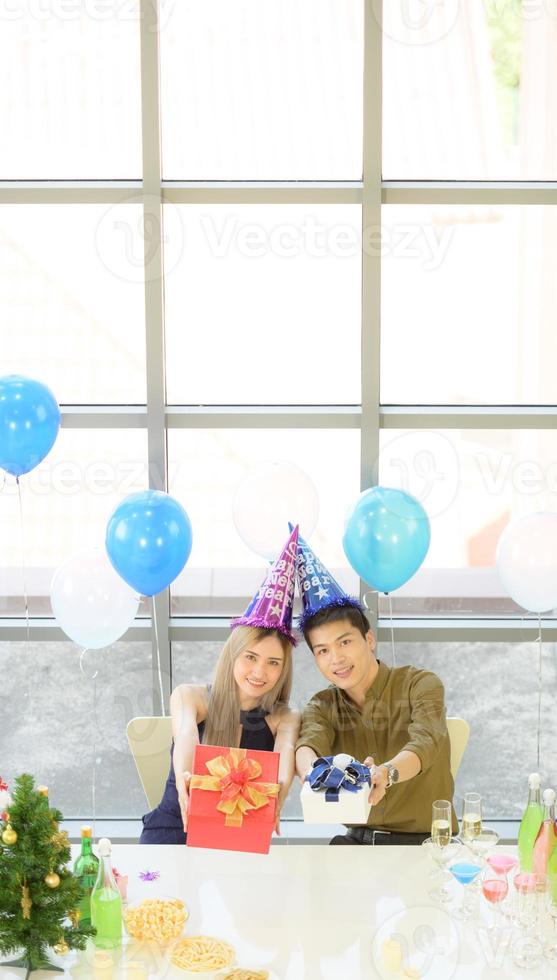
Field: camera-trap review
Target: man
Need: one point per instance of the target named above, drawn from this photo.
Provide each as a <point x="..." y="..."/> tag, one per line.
<point x="390" y="718"/>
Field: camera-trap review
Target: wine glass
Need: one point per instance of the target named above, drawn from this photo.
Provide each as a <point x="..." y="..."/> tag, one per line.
<point x="495" y="888"/>
<point x="527" y="949"/>
<point x="504" y="864"/>
<point x="550" y="948"/>
<point x="484" y="842"/>
<point x="465" y="872"/>
<point x="471" y="816"/>
<point x="441" y="856"/>
<point x="441" y="822"/>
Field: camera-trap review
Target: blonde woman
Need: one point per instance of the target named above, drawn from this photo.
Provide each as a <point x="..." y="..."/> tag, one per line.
<point x="246" y="707"/>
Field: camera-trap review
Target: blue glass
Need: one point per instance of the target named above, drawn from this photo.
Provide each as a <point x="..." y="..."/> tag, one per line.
<point x="464" y="872"/>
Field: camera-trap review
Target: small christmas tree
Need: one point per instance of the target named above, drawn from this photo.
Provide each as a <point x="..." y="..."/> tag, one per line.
<point x="39" y="895"/>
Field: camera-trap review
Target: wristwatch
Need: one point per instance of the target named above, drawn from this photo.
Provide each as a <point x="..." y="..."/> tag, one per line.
<point x="392" y="773"/>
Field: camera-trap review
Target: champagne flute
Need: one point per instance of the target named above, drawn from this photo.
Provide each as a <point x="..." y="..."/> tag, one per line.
<point x="471" y="816"/>
<point x="441" y="830"/>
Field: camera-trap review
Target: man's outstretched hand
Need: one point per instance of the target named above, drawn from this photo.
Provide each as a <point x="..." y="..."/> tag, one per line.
<point x="379" y="780"/>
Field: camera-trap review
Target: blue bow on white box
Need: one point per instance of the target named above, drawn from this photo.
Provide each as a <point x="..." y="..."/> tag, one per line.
<point x="333" y="773"/>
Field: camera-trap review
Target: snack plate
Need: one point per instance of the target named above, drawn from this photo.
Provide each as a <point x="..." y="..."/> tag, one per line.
<point x="162" y="943"/>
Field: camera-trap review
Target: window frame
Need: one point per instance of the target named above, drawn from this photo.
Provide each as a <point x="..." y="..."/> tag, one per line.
<point x="370" y="417"/>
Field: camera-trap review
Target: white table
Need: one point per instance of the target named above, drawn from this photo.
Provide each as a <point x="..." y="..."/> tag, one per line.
<point x="304" y="912"/>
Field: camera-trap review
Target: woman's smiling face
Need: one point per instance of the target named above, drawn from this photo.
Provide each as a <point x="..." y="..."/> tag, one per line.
<point x="258" y="669"/>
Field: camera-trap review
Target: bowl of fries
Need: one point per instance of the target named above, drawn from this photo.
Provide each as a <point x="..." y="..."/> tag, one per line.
<point x="203" y="957"/>
<point x="156" y="921"/>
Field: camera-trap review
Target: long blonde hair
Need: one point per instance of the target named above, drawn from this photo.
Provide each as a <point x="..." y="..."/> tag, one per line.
<point x="222" y="724"/>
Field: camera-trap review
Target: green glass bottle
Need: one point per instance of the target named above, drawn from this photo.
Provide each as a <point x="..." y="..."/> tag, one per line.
<point x="86" y="869"/>
<point x="530" y="824"/>
<point x="106" y="902"/>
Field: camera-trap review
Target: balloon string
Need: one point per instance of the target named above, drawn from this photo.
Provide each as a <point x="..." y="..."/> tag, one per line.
<point x="92" y="677"/>
<point x="540" y="687"/>
<point x="392" y="629"/>
<point x="23" y="565"/>
<point x="158" y="655"/>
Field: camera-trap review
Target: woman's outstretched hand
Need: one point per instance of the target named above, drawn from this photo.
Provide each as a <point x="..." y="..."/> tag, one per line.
<point x="184" y="798"/>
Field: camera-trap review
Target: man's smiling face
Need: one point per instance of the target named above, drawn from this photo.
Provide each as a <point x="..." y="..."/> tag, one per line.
<point x="343" y="655"/>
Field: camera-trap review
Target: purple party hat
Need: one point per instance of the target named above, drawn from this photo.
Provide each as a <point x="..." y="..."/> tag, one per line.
<point x="318" y="588"/>
<point x="271" y="607"/>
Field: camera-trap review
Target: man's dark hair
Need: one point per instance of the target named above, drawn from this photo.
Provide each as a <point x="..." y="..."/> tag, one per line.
<point x="333" y="614"/>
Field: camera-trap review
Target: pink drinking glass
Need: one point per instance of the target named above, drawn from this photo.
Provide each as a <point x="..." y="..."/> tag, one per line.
<point x="503" y="864"/>
<point x="495" y="889"/>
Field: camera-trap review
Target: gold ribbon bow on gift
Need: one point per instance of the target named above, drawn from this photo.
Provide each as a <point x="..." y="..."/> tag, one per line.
<point x="235" y="777"/>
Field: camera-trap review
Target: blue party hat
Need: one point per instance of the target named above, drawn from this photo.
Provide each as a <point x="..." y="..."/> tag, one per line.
<point x="318" y="588"/>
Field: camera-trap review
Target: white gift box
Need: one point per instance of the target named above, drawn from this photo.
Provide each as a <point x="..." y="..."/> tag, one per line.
<point x="349" y="808"/>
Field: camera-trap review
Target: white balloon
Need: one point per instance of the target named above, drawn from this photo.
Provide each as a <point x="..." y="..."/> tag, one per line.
<point x="92" y="604"/>
<point x="269" y="496"/>
<point x="527" y="561"/>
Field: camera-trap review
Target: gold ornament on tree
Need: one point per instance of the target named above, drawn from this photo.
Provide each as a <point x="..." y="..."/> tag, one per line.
<point x="60" y="840"/>
<point x="74" y="917"/>
<point x="9" y="836"/>
<point x="52" y="880"/>
<point x="61" y="948"/>
<point x="26" y="902"/>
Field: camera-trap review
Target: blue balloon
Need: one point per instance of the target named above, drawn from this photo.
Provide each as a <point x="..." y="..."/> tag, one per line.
<point x="29" y="423"/>
<point x="148" y="540"/>
<point x="386" y="537"/>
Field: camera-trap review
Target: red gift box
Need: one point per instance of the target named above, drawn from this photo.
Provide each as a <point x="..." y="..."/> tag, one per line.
<point x="233" y="799"/>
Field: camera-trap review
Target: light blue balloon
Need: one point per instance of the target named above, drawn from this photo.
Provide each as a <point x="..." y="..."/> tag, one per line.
<point x="148" y="540"/>
<point x="386" y="537"/>
<point x="29" y="423"/>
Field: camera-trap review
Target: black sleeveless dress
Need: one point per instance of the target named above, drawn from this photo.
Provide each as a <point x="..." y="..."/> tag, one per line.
<point x="163" y="825"/>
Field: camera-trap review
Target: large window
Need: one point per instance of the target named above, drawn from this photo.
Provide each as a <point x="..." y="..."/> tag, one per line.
<point x="339" y="253"/>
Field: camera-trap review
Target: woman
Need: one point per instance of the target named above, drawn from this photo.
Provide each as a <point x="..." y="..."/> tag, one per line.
<point x="246" y="707"/>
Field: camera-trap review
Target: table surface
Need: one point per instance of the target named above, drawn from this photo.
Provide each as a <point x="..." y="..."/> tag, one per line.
<point x="303" y="912"/>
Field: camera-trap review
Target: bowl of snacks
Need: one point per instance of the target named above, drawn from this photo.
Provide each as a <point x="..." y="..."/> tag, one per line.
<point x="156" y="920"/>
<point x="240" y="973"/>
<point x="203" y="956"/>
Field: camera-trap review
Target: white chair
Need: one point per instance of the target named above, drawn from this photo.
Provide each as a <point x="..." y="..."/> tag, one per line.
<point x="459" y="733"/>
<point x="150" y="740"/>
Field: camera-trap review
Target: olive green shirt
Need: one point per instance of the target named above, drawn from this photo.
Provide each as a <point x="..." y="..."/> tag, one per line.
<point x="404" y="709"/>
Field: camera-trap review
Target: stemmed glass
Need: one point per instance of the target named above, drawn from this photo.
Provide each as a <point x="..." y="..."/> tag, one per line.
<point x="503" y="864"/>
<point x="465" y="873"/>
<point x="471" y="816"/>
<point x="530" y="889"/>
<point x="550" y="948"/>
<point x="484" y="842"/>
<point x="495" y="888"/>
<point x="441" y="822"/>
<point x="442" y="856"/>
